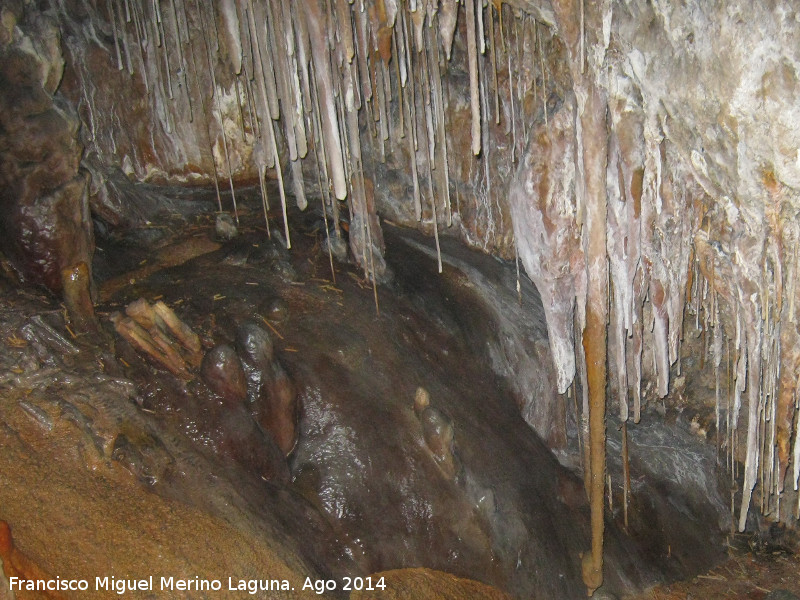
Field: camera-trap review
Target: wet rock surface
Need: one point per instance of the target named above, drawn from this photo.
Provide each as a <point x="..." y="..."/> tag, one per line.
<point x="461" y="484"/>
<point x="405" y="447"/>
<point x="44" y="220"/>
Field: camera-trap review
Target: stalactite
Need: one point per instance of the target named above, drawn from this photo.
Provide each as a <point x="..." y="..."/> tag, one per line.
<point x="486" y="152"/>
<point x="362" y="52"/>
<point x="113" y="19"/>
<point x="295" y="118"/>
<point x="227" y="159"/>
<point x="387" y="98"/>
<point x="481" y="32"/>
<point x="472" y="52"/>
<point x="124" y="36"/>
<point x="230" y="20"/>
<point x="303" y="56"/>
<point x="182" y="58"/>
<point x="264" y="198"/>
<point x="753" y="340"/>
<point x="344" y="28"/>
<point x="281" y="188"/>
<point x="297" y="184"/>
<point x="317" y="27"/>
<point x="626" y="475"/>
<point x="215" y="95"/>
<point x="513" y="112"/>
<point x="264" y="67"/>
<point x="448" y="19"/>
<point x="317" y="135"/>
<point x="493" y="50"/>
<point x="140" y="42"/>
<point x="439" y="112"/>
<point x="277" y="46"/>
<point x="544" y="75"/>
<point x="523" y="59"/>
<point x="163" y="45"/>
<point x="383" y="116"/>
<point x="400" y="76"/>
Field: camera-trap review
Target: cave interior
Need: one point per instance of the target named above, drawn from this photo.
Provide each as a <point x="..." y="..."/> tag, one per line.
<point x="472" y="298"/>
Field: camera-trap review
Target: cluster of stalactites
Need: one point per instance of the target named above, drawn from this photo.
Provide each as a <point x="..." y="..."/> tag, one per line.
<point x="317" y="80"/>
<point x="673" y="253"/>
<point x="745" y="289"/>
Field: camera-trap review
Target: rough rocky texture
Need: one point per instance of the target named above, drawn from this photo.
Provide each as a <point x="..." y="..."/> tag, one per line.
<point x="45" y="221"/>
<point x="629" y="146"/>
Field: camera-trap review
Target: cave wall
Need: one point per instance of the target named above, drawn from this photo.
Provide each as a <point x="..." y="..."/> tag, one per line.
<point x="45" y="225"/>
<point x="639" y="157"/>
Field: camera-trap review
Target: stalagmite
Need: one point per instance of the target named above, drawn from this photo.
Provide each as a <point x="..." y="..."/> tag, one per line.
<point x="472" y="52"/>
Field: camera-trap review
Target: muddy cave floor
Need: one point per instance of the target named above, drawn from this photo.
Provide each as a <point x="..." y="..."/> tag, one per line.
<point x="113" y="466"/>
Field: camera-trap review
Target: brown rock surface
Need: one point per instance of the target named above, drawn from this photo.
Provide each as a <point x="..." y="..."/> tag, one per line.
<point x="427" y="584"/>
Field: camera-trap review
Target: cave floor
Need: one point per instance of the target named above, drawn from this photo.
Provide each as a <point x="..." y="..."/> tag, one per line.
<point x="746" y="575"/>
<point x="89" y="427"/>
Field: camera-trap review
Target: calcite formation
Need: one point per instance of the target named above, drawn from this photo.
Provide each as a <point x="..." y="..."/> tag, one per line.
<point x="641" y="159"/>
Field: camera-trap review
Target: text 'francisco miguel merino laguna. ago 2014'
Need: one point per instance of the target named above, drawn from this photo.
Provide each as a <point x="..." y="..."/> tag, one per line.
<point x="168" y="584"/>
